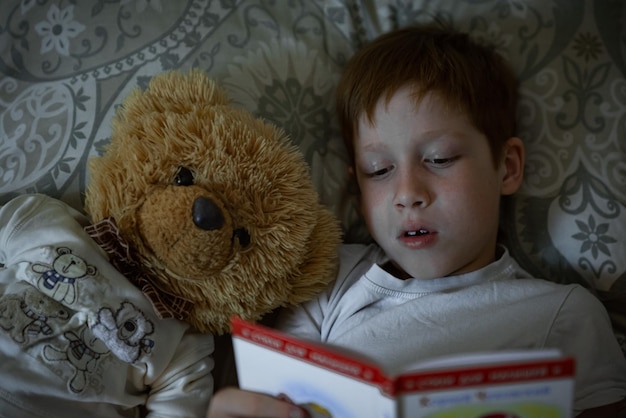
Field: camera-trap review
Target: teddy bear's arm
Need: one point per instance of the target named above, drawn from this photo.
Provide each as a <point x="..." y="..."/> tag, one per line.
<point x="185" y="386"/>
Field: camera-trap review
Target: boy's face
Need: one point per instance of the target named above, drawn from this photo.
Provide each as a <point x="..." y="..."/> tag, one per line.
<point x="430" y="192"/>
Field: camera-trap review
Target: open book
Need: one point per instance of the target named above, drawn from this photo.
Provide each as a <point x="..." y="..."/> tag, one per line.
<point x="335" y="382"/>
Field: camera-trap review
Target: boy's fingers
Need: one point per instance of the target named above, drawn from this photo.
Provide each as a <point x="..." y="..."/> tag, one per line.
<point x="232" y="402"/>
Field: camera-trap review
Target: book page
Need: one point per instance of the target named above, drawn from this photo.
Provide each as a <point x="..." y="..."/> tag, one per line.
<point x="323" y="382"/>
<point x="535" y="388"/>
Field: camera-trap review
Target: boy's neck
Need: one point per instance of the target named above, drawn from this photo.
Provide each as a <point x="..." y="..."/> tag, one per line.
<point x="397" y="272"/>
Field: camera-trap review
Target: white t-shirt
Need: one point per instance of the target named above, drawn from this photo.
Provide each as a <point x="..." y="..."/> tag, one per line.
<point x="399" y="322"/>
<point x="77" y="339"/>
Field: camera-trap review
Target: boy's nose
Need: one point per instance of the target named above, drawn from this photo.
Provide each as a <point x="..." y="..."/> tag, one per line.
<point x="411" y="191"/>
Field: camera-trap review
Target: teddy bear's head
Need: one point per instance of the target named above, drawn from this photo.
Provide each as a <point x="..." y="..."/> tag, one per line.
<point x="214" y="203"/>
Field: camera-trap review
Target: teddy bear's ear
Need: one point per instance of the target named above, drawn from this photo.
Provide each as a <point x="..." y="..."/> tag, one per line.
<point x="178" y="92"/>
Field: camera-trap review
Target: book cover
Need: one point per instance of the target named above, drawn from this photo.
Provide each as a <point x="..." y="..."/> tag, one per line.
<point x="335" y="382"/>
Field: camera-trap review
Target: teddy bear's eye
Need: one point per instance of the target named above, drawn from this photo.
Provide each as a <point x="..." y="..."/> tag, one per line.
<point x="184" y="177"/>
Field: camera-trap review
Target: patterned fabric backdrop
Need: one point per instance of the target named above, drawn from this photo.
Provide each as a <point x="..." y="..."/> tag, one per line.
<point x="66" y="65"/>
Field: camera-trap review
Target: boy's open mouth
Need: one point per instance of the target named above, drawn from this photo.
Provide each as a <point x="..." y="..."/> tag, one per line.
<point x="416" y="233"/>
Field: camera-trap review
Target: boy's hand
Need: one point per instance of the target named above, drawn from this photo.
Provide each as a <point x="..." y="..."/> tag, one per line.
<point x="233" y="402"/>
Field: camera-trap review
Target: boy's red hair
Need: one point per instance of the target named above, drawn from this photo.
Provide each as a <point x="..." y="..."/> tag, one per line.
<point x="470" y="77"/>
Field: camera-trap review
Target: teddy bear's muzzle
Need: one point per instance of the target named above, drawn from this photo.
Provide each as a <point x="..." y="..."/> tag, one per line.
<point x="189" y="232"/>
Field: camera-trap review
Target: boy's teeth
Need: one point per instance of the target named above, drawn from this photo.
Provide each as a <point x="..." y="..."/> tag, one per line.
<point x="415" y="233"/>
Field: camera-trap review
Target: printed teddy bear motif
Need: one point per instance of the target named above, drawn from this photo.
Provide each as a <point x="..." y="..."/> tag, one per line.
<point x="30" y="314"/>
<point x="83" y="352"/>
<point x="59" y="280"/>
<point x="125" y="331"/>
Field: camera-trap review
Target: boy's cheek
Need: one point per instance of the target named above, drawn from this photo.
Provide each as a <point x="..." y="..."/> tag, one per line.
<point x="369" y="198"/>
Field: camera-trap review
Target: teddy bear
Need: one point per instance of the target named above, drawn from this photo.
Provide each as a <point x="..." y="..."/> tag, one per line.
<point x="196" y="212"/>
<point x="224" y="213"/>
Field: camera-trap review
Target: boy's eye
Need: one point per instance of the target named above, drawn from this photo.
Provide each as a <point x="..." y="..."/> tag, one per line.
<point x="378" y="172"/>
<point x="440" y="162"/>
<point x="183" y="177"/>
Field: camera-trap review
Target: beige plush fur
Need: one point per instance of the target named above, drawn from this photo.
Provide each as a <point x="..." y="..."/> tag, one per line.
<point x="247" y="168"/>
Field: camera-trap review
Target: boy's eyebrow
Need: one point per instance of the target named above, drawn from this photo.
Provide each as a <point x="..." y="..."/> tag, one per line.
<point x="373" y="146"/>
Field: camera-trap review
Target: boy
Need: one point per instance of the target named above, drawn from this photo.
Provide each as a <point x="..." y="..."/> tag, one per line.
<point x="428" y="117"/>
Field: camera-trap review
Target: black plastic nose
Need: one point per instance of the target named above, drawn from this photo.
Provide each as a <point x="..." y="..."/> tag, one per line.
<point x="207" y="215"/>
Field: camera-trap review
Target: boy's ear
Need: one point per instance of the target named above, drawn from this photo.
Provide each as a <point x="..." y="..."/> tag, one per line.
<point x="513" y="157"/>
